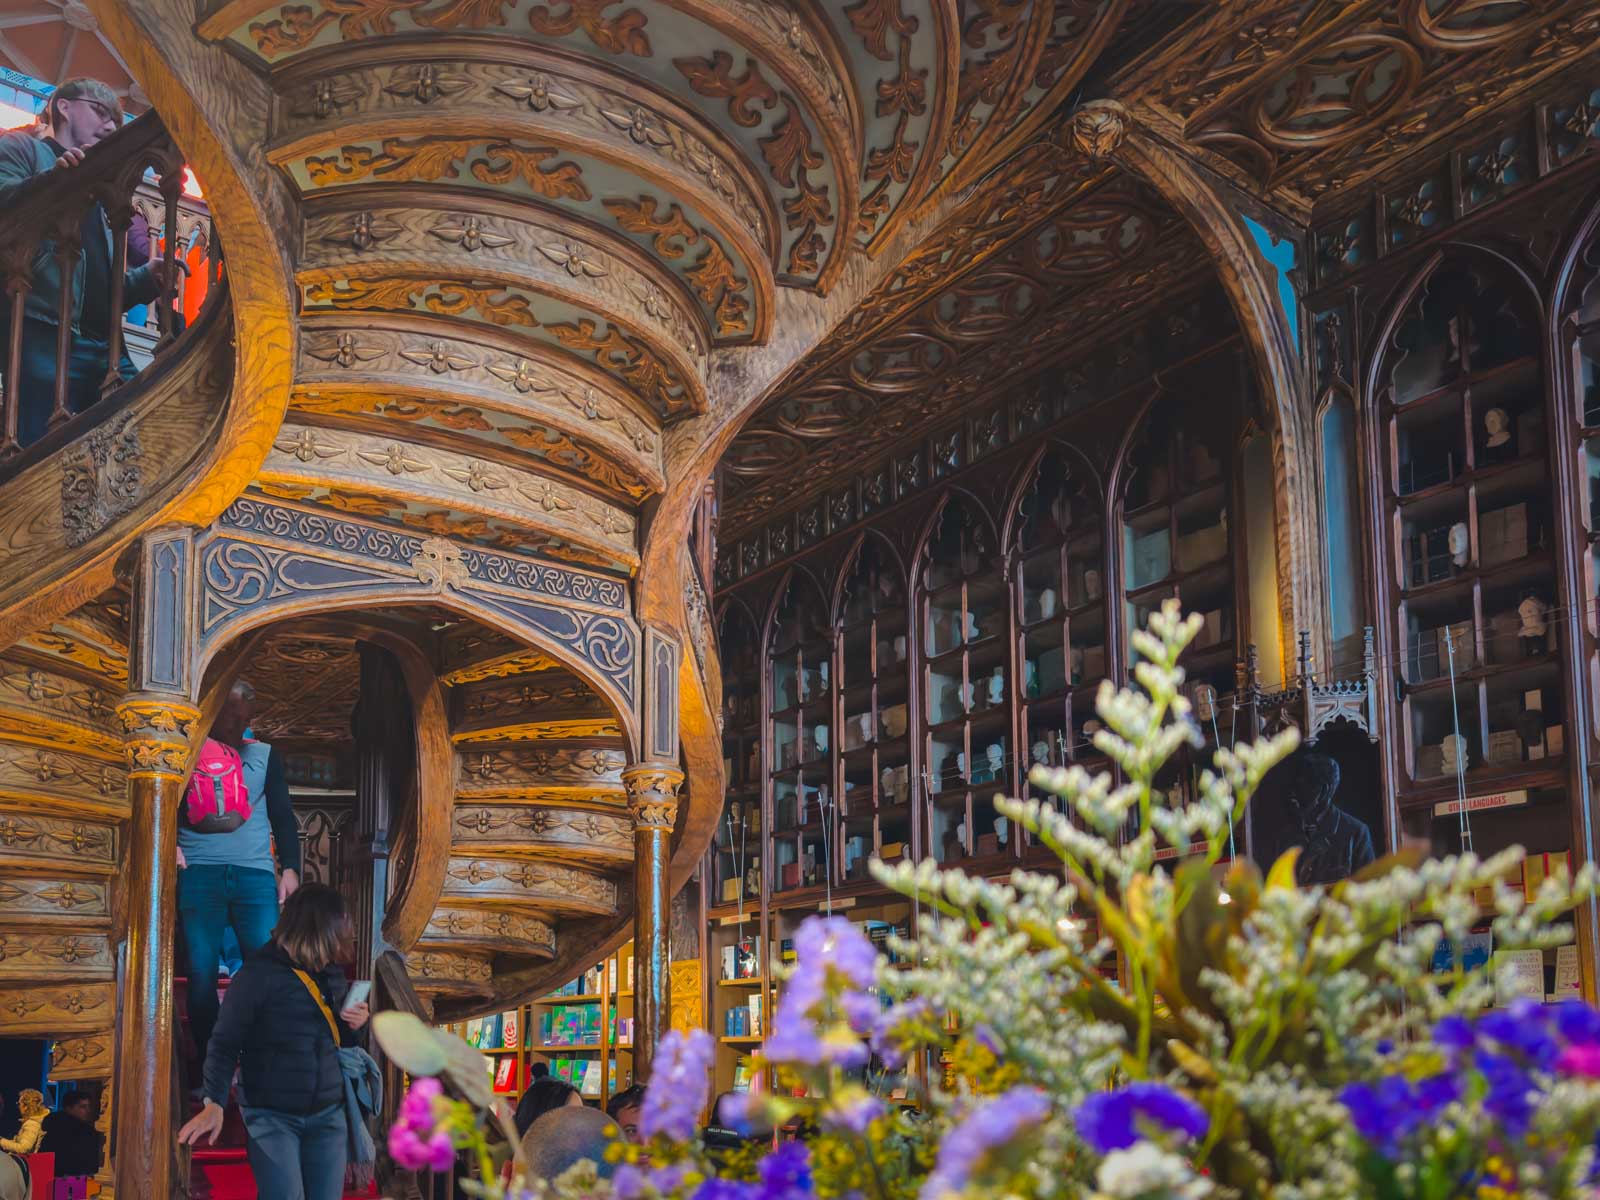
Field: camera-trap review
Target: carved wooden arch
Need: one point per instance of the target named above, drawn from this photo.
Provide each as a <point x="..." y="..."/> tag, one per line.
<point x="1570" y="271"/>
<point x="1132" y="431"/>
<point x="930" y="526"/>
<point x="1018" y="491"/>
<point x="245" y="582"/>
<point x="417" y="892"/>
<point x="1415" y="286"/>
<point x="848" y="560"/>
<point x="1105" y="129"/>
<point x="779" y="594"/>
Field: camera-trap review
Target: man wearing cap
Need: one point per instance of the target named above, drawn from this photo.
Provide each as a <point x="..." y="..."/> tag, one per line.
<point x="80" y="113"/>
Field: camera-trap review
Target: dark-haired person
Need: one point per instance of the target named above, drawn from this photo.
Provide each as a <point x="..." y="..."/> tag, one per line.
<point x="277" y="1024"/>
<point x="544" y="1094"/>
<point x="623" y="1108"/>
<point x="79" y="114"/>
<point x="70" y="1135"/>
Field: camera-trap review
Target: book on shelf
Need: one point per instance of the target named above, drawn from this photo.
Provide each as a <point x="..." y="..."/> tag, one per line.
<point x="1518" y="973"/>
<point x="505" y="1075"/>
<point x="1568" y="983"/>
<point x="743" y="1074"/>
<point x="1471" y="952"/>
<point x="509" y="1026"/>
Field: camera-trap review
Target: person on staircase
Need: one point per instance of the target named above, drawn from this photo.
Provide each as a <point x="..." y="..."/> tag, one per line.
<point x="80" y="113"/>
<point x="277" y="1026"/>
<point x="226" y="874"/>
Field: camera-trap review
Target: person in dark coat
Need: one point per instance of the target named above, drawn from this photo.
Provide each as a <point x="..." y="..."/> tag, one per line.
<point x="70" y="1135"/>
<point x="277" y="1026"/>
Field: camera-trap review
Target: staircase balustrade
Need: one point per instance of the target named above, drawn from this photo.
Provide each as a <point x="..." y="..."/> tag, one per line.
<point x="136" y="174"/>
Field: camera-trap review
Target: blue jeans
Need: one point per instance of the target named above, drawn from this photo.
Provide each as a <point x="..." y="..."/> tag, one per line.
<point x="86" y="370"/>
<point x="211" y="897"/>
<point x="295" y="1157"/>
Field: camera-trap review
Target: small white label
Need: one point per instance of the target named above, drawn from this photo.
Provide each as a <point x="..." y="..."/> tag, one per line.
<point x="1448" y="808"/>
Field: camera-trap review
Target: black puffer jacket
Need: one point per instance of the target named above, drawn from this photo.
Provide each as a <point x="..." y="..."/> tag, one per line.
<point x="271" y="1027"/>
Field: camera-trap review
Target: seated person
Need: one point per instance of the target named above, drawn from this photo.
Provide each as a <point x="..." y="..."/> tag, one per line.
<point x="623" y="1108"/>
<point x="30" y="1104"/>
<point x="544" y="1095"/>
<point x="70" y="1135"/>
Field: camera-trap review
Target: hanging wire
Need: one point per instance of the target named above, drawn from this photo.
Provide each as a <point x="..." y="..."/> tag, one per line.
<point x="1457" y="768"/>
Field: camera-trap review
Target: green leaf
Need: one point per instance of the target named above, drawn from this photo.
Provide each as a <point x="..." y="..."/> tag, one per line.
<point x="1282" y="873"/>
<point x="408" y="1043"/>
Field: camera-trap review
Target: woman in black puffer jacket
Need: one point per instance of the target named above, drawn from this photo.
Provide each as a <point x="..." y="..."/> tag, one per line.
<point x="273" y="1028"/>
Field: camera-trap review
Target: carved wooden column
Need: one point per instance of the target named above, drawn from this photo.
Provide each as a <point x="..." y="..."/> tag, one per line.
<point x="653" y="801"/>
<point x="158" y="722"/>
<point x="157" y="743"/>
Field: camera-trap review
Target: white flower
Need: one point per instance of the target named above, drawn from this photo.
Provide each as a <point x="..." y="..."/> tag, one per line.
<point x="1147" y="1172"/>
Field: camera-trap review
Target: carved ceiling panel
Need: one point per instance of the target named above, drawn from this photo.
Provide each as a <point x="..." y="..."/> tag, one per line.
<point x="306" y="686"/>
<point x="1303" y="99"/>
<point x="1082" y="266"/>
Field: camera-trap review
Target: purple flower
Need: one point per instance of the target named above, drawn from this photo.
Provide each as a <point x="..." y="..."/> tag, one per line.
<point x="733" y="1111"/>
<point x="1381" y="1111"/>
<point x="855" y="1114"/>
<point x="1385" y="1046"/>
<point x="1454" y="1033"/>
<point x="988" y="1127"/>
<point x="786" y="1173"/>
<point x="679" y="1086"/>
<point x="1387" y="1111"/>
<point x="1109" y="1121"/>
<point x="1510" y="1090"/>
<point x="1577" y="1022"/>
<point x="726" y="1189"/>
<point x="1522" y="1028"/>
<point x="413" y="1141"/>
<point x="889" y="1032"/>
<point x="627" y="1182"/>
<point x="414" y="1153"/>
<point x="796" y="1042"/>
<point x="985" y="1037"/>
<point x="1436" y="1091"/>
<point x="1583" y="1061"/>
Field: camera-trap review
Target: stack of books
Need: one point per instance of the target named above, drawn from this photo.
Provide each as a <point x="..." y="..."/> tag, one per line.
<point x="570" y="1025"/>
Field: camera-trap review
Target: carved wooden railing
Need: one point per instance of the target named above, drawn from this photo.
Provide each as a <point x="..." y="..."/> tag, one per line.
<point x="135" y="175"/>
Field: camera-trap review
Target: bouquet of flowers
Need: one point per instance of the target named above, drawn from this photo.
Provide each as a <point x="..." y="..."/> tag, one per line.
<point x="1258" y="1038"/>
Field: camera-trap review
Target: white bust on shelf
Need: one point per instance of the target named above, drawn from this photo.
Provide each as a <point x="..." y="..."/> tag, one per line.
<point x="1091" y="584"/>
<point x="1453" y="754"/>
<point x="1531" y="613"/>
<point x="1497" y="425"/>
<point x="1460" y="544"/>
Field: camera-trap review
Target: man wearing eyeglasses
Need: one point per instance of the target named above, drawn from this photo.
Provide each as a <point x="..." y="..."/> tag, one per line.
<point x="80" y="113"/>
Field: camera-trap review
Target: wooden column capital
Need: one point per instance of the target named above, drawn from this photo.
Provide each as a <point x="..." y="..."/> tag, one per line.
<point x="157" y="731"/>
<point x="653" y="794"/>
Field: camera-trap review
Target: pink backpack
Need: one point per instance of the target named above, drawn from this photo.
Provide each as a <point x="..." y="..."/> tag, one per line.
<point x="217" y="799"/>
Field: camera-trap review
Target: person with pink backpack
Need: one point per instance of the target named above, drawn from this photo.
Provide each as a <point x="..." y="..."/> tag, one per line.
<point x="235" y="808"/>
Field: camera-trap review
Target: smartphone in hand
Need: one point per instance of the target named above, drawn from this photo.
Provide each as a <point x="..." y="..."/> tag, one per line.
<point x="359" y="991"/>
